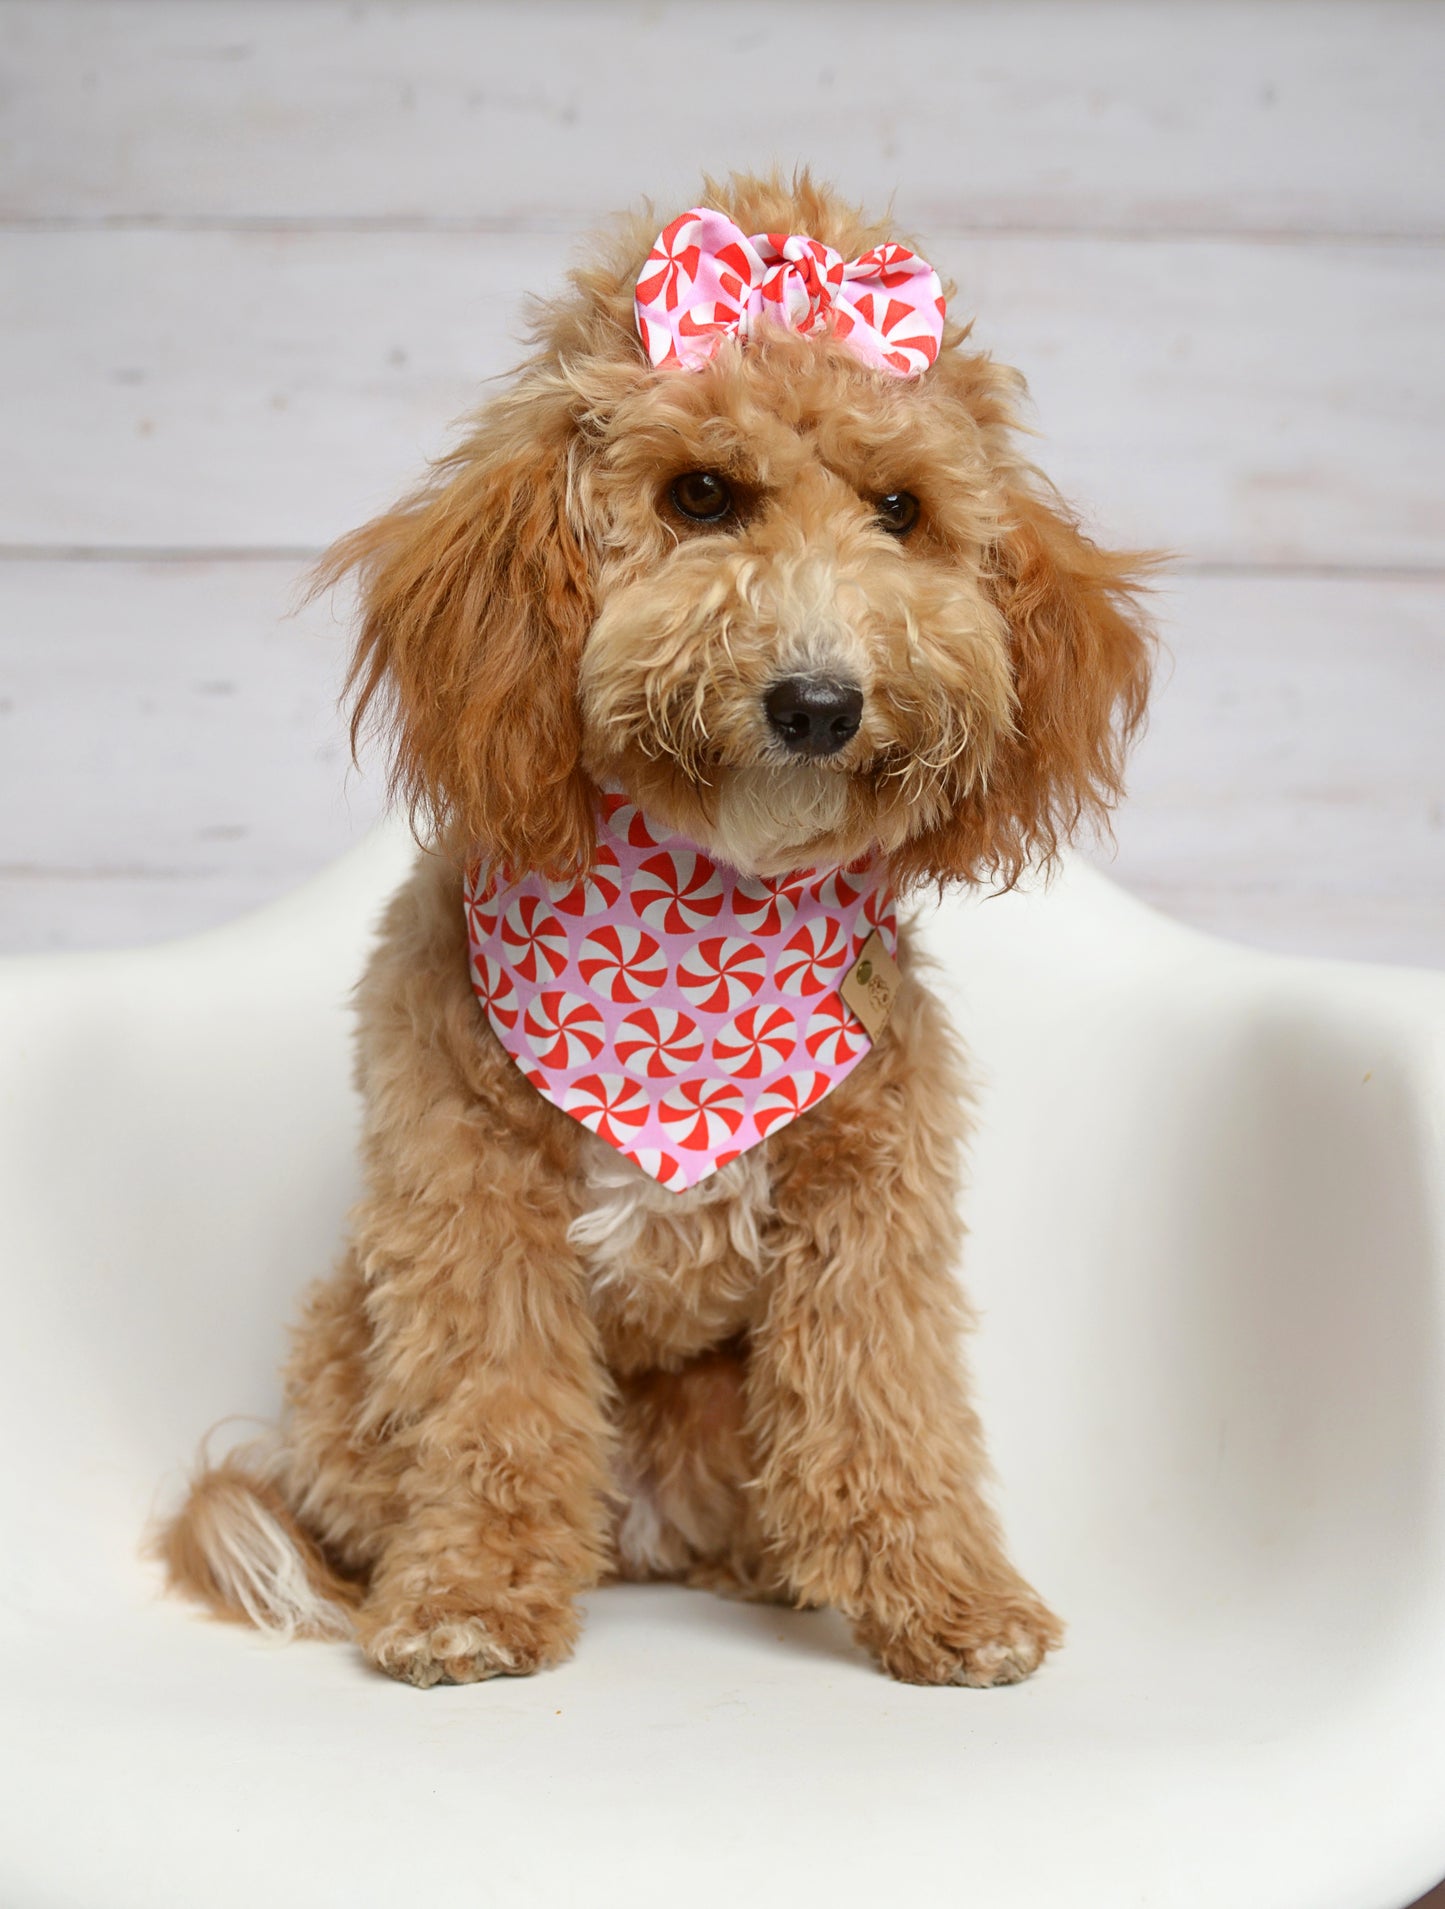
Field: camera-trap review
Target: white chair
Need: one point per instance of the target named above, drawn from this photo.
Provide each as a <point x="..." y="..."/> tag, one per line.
<point x="1208" y="1249"/>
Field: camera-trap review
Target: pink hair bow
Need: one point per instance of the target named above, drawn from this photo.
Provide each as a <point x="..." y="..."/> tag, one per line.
<point x="705" y="280"/>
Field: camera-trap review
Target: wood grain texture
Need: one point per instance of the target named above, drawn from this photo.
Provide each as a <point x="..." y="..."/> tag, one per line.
<point x="1236" y="402"/>
<point x="1290" y="787"/>
<point x="1123" y="115"/>
<point x="170" y="752"/>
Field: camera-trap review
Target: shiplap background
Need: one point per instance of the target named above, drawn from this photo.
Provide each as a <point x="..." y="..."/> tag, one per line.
<point x="256" y="258"/>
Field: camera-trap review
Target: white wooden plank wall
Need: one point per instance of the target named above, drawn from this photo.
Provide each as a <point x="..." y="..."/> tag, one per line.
<point x="254" y="258"/>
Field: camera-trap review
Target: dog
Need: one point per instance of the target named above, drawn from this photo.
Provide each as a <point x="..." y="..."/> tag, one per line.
<point x="735" y="617"/>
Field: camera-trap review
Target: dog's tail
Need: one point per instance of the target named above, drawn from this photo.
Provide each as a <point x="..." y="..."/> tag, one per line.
<point x="236" y="1547"/>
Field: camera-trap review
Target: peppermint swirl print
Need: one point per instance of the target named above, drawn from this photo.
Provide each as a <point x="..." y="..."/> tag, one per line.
<point x="677" y="1009"/>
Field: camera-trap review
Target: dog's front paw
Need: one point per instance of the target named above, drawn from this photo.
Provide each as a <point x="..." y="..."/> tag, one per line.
<point x="449" y="1641"/>
<point x="974" y="1643"/>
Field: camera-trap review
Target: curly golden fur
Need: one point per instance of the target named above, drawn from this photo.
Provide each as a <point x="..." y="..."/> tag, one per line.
<point x="534" y="1368"/>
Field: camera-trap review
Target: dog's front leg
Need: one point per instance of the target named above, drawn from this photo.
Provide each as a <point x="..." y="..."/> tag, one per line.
<point x="871" y="1459"/>
<point x="487" y="1388"/>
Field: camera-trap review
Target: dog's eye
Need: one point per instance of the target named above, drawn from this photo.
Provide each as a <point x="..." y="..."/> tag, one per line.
<point x="702" y="495"/>
<point x="898" y="512"/>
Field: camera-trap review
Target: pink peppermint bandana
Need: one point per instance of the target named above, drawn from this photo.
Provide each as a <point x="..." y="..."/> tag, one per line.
<point x="704" y="280"/>
<point x="677" y="1009"/>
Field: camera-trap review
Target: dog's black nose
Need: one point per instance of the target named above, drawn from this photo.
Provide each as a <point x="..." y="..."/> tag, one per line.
<point x="814" y="716"/>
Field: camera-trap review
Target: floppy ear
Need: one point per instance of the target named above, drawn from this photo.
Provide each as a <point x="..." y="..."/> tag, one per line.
<point x="476" y="602"/>
<point x="1081" y="652"/>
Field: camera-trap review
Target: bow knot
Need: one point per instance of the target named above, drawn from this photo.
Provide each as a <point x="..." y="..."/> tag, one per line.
<point x="705" y="280"/>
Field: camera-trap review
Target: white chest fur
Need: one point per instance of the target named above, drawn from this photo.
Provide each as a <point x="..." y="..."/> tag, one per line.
<point x="681" y="1270"/>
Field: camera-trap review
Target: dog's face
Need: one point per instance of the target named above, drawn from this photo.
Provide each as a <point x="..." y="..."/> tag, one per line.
<point x="795" y="655"/>
<point x="796" y="607"/>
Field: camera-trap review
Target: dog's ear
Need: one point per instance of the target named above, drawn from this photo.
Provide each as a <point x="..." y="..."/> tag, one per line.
<point x="475" y="604"/>
<point x="1081" y="652"/>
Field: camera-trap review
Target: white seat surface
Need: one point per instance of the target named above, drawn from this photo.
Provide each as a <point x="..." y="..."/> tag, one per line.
<point x="1208" y="1252"/>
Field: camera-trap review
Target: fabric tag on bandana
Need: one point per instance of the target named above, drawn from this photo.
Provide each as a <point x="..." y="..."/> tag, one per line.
<point x="871" y="985"/>
<point x="679" y="1010"/>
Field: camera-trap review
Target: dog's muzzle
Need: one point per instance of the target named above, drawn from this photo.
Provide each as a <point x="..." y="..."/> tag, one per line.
<point x="814" y="715"/>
